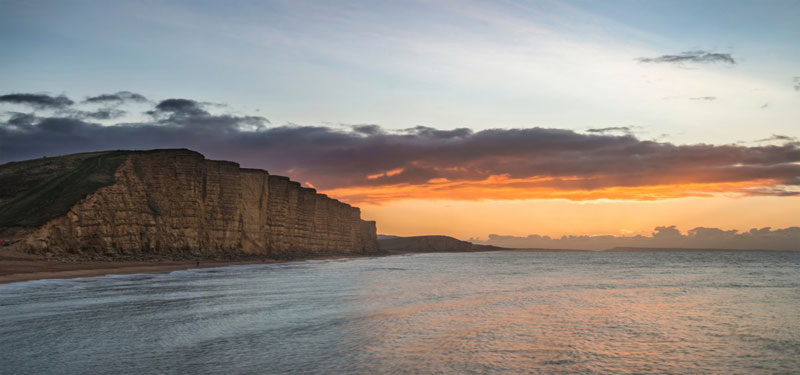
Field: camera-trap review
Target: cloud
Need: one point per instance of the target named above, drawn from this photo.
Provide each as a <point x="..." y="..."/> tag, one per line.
<point x="704" y="98"/>
<point x="663" y="237"/>
<point x="428" y="132"/>
<point x="796" y="81"/>
<point x="20" y="120"/>
<point x="369" y="130"/>
<point x="101" y="114"/>
<point x="770" y="191"/>
<point x="370" y="163"/>
<point x="38" y="101"/>
<point x="691" y="57"/>
<point x="612" y="129"/>
<point x="779" y="138"/>
<point x="116" y="98"/>
<point x="64" y="105"/>
<point x="180" y="107"/>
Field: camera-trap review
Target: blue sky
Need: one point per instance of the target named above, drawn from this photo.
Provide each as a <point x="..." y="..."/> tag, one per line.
<point x="443" y="64"/>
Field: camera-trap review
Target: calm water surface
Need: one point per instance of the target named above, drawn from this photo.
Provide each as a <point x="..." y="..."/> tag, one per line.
<point x="476" y="313"/>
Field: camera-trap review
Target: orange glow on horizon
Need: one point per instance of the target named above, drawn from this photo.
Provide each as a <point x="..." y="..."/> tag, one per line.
<point x="564" y="206"/>
<point x="556" y="217"/>
<point x="502" y="187"/>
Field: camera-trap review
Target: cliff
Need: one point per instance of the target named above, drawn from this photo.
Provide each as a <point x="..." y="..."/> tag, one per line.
<point x="429" y="244"/>
<point x="169" y="204"/>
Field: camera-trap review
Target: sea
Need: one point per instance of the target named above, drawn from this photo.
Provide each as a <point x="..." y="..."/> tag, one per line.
<point x="503" y="312"/>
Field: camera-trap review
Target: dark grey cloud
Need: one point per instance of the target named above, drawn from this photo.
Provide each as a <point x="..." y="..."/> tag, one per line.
<point x="344" y="156"/>
<point x="116" y="98"/>
<point x="429" y="132"/>
<point x="38" y="101"/>
<point x="180" y="107"/>
<point x="64" y="107"/>
<point x="796" y="81"/>
<point x="663" y="237"/>
<point x="369" y="129"/>
<point x="704" y="98"/>
<point x="779" y="138"/>
<point x="691" y="57"/>
<point x="101" y="114"/>
<point x="20" y="120"/>
<point x="611" y="129"/>
<point x="770" y="191"/>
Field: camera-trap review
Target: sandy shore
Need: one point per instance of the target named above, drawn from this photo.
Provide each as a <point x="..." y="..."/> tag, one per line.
<point x="15" y="267"/>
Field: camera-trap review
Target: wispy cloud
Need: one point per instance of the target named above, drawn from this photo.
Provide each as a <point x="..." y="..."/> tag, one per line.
<point x="38" y="101"/>
<point x="611" y="129"/>
<point x="699" y="56"/>
<point x="779" y="138"/>
<point x="179" y="108"/>
<point x="704" y="98"/>
<point x="100" y="114"/>
<point x="116" y="98"/>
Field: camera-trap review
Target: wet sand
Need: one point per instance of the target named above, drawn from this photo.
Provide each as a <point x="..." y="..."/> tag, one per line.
<point x="15" y="267"/>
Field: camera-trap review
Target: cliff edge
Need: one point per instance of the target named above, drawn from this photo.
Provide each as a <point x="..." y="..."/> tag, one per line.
<point x="169" y="204"/>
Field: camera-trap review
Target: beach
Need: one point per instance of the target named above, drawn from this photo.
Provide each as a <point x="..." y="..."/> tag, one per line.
<point x="16" y="267"/>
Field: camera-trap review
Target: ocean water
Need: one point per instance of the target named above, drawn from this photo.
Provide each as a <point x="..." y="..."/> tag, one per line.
<point x="470" y="313"/>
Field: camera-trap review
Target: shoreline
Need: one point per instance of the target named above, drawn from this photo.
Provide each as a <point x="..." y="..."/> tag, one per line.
<point x="17" y="267"/>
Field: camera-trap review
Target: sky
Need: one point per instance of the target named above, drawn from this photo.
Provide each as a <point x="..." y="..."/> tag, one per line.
<point x="464" y="118"/>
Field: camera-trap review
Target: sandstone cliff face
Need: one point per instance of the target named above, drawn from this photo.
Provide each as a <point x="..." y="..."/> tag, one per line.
<point x="175" y="203"/>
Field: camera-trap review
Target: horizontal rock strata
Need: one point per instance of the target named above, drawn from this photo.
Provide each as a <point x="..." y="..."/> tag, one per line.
<point x="176" y="203"/>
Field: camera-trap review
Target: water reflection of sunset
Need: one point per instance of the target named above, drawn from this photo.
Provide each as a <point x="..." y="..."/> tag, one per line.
<point x="528" y="316"/>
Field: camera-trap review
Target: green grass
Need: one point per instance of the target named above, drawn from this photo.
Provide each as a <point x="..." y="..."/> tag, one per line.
<point x="36" y="191"/>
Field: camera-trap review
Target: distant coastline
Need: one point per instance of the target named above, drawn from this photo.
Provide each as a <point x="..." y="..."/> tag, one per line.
<point x="682" y="249"/>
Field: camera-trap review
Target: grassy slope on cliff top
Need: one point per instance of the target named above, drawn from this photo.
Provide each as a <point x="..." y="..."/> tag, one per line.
<point x="33" y="192"/>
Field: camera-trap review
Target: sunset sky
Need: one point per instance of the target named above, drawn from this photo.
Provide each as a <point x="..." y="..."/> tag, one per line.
<point x="463" y="118"/>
